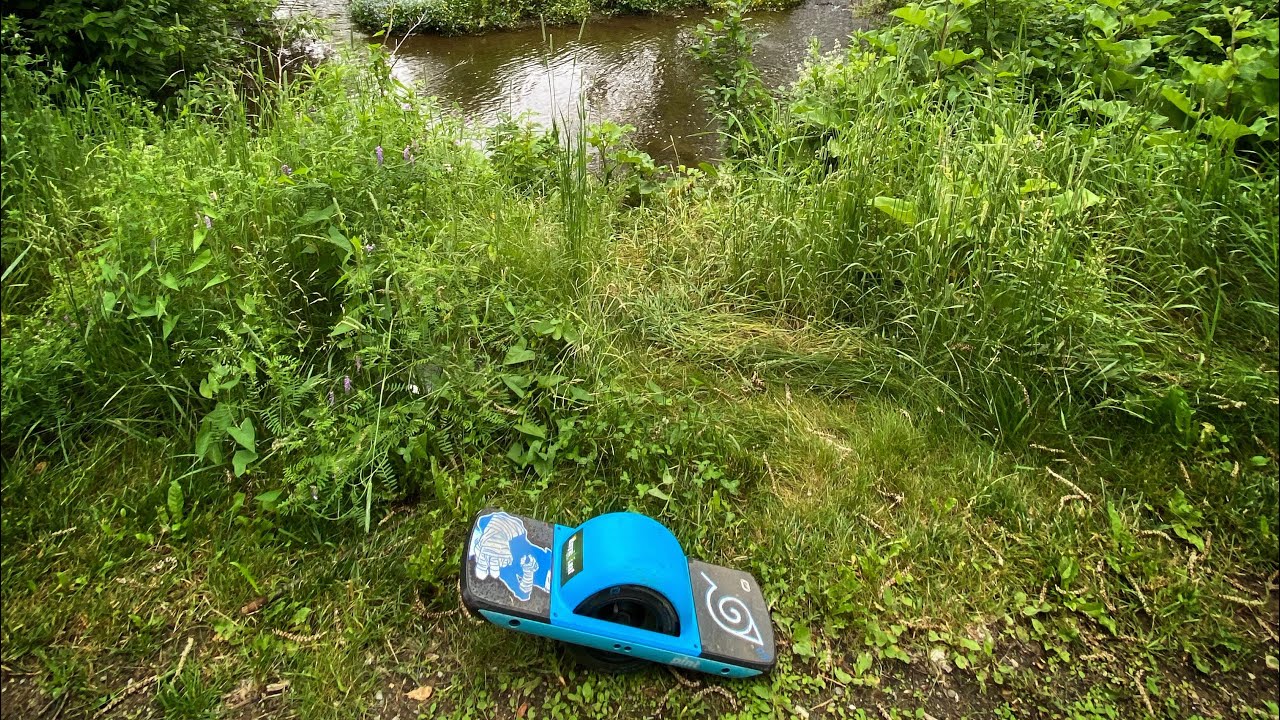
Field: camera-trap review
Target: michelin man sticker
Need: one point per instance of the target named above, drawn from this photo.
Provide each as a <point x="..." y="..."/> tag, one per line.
<point x="501" y="549"/>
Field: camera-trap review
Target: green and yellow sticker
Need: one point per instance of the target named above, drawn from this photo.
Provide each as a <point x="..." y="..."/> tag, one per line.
<point x="571" y="557"/>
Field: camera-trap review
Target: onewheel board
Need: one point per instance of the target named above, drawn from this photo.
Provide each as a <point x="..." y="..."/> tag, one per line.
<point x="620" y="590"/>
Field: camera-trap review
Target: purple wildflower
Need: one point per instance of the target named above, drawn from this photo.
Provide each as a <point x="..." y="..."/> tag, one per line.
<point x="369" y="247"/>
<point x="286" y="170"/>
<point x="208" y="222"/>
<point x="408" y="154"/>
<point x="378" y="151"/>
<point x="346" y="383"/>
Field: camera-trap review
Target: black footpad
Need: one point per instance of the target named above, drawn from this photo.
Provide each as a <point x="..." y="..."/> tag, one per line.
<point x="507" y="566"/>
<point x="733" y="618"/>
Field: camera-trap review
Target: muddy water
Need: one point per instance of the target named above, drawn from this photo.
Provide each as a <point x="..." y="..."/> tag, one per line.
<point x="635" y="70"/>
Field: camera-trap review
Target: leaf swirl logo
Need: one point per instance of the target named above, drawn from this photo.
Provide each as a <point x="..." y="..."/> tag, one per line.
<point x="731" y="614"/>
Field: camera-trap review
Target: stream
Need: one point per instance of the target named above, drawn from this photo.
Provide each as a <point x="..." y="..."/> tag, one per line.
<point x="634" y="69"/>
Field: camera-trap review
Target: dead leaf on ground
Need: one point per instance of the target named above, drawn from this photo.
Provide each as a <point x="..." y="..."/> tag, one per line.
<point x="254" y="605"/>
<point x="421" y="694"/>
<point x="276" y="688"/>
<point x="524" y="708"/>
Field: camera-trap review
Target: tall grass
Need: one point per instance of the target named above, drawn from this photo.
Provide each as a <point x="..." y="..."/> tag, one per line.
<point x="1036" y="270"/>
<point x="333" y="282"/>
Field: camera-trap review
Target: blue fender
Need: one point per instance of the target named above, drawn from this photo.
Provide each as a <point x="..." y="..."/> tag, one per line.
<point x="624" y="548"/>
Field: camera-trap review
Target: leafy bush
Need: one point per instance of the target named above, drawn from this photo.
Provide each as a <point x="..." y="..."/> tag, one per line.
<point x="1203" y="66"/>
<point x="736" y="91"/>
<point x="148" y="46"/>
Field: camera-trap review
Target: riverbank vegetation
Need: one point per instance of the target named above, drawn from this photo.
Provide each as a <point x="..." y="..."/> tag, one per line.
<point x="441" y="16"/>
<point x="968" y="351"/>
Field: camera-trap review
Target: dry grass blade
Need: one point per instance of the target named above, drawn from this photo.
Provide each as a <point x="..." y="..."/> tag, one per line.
<point x="131" y="688"/>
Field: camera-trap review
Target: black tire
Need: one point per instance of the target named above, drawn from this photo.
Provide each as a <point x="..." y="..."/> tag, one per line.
<point x="630" y="605"/>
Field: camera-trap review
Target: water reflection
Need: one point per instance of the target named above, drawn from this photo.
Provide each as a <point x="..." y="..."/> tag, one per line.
<point x="635" y="70"/>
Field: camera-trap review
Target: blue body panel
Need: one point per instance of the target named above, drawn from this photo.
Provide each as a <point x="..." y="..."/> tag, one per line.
<point x="614" y="643"/>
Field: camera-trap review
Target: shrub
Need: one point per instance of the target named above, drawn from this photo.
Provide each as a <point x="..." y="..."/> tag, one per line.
<point x="147" y="46"/>
<point x="736" y="91"/>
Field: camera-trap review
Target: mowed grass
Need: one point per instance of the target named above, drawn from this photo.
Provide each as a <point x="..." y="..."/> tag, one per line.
<point x="263" y="361"/>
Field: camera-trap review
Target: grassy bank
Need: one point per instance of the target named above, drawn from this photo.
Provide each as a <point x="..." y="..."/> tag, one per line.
<point x="474" y="17"/>
<point x="978" y="379"/>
